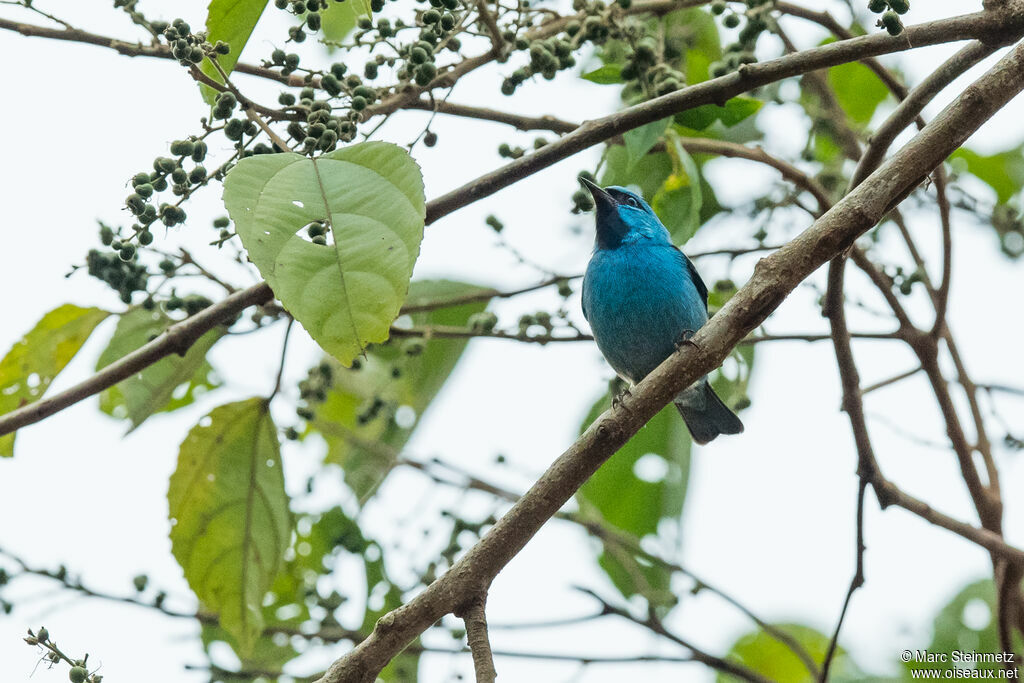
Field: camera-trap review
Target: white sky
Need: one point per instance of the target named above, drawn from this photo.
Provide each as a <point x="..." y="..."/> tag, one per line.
<point x="770" y="513"/>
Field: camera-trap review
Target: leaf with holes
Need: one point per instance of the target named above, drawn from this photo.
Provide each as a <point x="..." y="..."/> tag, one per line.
<point x="347" y="292"/>
<point x="231" y="21"/>
<point x="169" y="384"/>
<point x="229" y="510"/>
<point x="32" y="363"/>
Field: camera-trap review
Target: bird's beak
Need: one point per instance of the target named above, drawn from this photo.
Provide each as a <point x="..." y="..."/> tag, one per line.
<point x="602" y="200"/>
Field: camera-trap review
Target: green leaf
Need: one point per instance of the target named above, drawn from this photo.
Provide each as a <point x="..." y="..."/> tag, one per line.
<point x="341" y="17"/>
<point x="858" y="89"/>
<point x="34" y="361"/>
<point x="1003" y="172"/>
<point x="679" y="201"/>
<point x="651" y="176"/>
<point x="639" y="141"/>
<point x="648" y="176"/>
<point x="167" y="385"/>
<point x="365" y="448"/>
<point x="230" y="523"/>
<point x="640" y="487"/>
<point x="233" y="22"/>
<point x="735" y="110"/>
<point x="693" y="34"/>
<point x="763" y="654"/>
<point x="609" y="74"/>
<point x="346" y="293"/>
<point x="967" y="623"/>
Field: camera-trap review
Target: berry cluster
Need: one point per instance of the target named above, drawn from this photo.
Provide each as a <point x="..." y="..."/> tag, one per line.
<point x="890" y="11"/>
<point x="755" y="20"/>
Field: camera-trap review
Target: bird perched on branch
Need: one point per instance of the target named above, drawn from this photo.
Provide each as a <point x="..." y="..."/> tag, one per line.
<point x="643" y="297"/>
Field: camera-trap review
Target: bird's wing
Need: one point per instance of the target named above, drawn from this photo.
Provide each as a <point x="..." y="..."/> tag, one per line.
<point x="583" y="300"/>
<point x="702" y="288"/>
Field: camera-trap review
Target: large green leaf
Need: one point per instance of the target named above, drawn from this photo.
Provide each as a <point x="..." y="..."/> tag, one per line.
<point x="230" y="523"/>
<point x="167" y="385"/>
<point x="763" y="654"/>
<point x="231" y="21"/>
<point x="340" y="18"/>
<point x="345" y="293"/>
<point x="34" y="361"/>
<point x="365" y="448"/>
<point x="642" y="486"/>
<point x="858" y="89"/>
<point x="1003" y="171"/>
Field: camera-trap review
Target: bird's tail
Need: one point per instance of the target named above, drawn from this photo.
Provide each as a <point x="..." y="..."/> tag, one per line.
<point x="705" y="415"/>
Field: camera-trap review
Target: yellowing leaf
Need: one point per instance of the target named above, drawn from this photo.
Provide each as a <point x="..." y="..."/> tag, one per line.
<point x="32" y="363"/>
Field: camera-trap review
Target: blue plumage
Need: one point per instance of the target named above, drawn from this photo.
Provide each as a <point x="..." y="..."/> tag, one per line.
<point x="642" y="297"/>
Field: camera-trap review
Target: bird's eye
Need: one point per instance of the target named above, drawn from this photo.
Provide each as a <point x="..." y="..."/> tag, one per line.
<point x="631" y="201"/>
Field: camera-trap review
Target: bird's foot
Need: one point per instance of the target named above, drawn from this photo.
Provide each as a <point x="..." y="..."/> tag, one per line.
<point x="619" y="397"/>
<point x="686" y="339"/>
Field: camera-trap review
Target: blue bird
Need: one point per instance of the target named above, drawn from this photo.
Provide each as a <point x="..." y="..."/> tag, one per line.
<point x="642" y="297"/>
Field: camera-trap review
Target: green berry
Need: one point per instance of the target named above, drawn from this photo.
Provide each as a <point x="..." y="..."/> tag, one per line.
<point x="731" y="21"/>
<point x="78" y="674"/>
<point x="366" y="92"/>
<point x="221" y="222"/>
<point x="182" y="148"/>
<point x="891" y="22"/>
<point x="431" y="16"/>
<point x="418" y="55"/>
<point x="878" y="6"/>
<point x="900" y="6"/>
<point x="718" y="7"/>
<point x="331" y="84"/>
<point x="358" y="103"/>
<point x="145" y="238"/>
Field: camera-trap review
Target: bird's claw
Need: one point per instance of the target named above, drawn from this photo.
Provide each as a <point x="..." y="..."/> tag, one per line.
<point x="686" y="339"/>
<point x="618" y="398"/>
